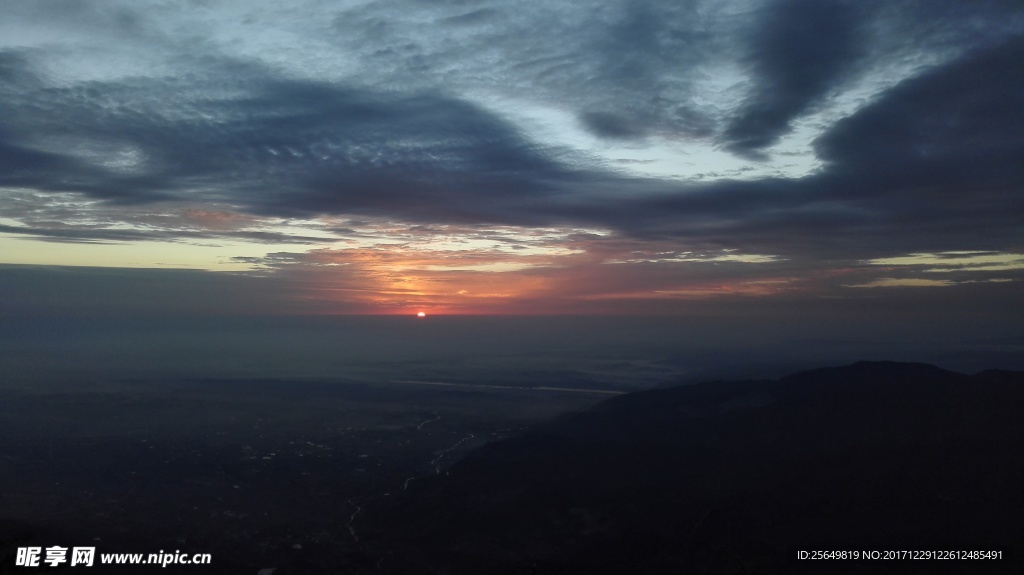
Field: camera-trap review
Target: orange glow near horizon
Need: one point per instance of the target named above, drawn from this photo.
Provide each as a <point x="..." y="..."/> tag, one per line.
<point x="455" y="270"/>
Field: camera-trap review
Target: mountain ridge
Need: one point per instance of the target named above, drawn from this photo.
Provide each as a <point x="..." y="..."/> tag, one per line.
<point x="872" y="454"/>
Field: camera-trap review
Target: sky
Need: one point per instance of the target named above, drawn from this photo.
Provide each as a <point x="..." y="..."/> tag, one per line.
<point x="833" y="161"/>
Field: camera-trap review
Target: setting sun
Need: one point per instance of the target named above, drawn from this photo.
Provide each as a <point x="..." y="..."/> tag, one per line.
<point x="421" y="314"/>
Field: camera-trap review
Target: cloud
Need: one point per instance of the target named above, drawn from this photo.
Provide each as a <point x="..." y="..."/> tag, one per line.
<point x="906" y="282"/>
<point x="239" y="133"/>
<point x="392" y="121"/>
<point x="954" y="125"/>
<point x="956" y="261"/>
<point x="275" y="145"/>
<point x="625" y="69"/>
<point x="803" y="57"/>
<point x="799" y="51"/>
<point x="91" y="234"/>
<point x="933" y="164"/>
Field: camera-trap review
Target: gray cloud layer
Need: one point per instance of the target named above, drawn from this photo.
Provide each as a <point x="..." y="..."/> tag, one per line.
<point x="933" y="162"/>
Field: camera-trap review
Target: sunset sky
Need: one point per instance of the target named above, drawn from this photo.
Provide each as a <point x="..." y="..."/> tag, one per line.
<point x="480" y="157"/>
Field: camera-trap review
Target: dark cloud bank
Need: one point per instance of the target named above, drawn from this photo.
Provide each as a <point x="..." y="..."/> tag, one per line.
<point x="928" y="164"/>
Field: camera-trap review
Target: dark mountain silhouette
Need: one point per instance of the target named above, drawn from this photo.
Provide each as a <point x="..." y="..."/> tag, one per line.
<point x="735" y="477"/>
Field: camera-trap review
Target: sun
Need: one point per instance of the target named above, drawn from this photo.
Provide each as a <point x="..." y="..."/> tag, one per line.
<point x="421" y="314"/>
